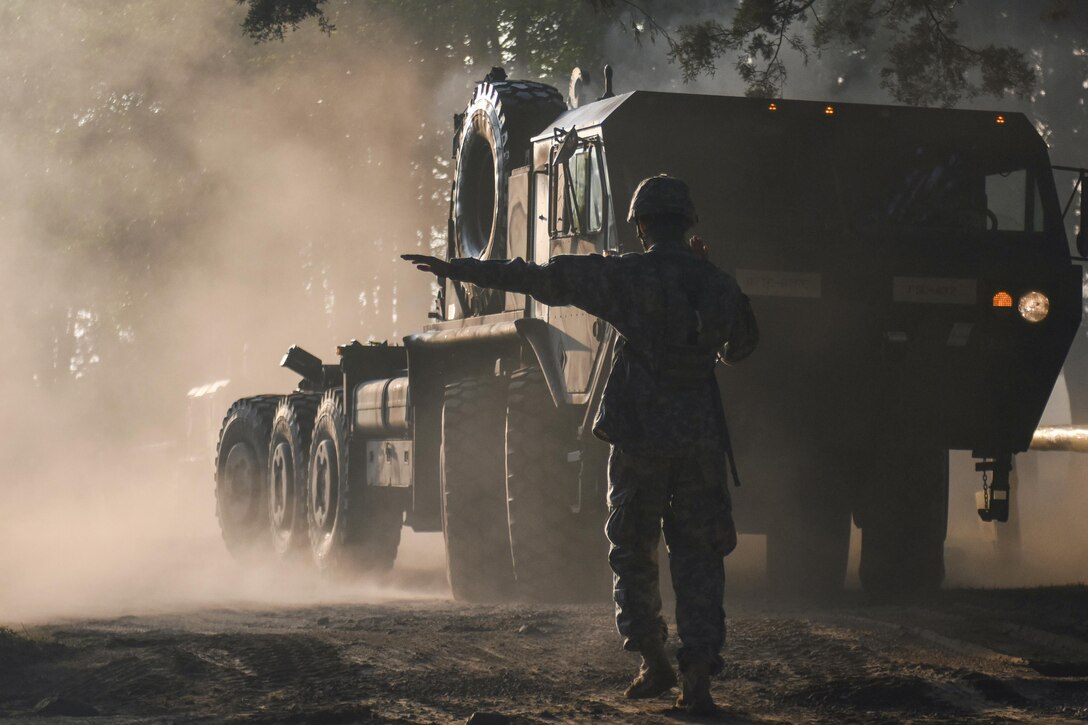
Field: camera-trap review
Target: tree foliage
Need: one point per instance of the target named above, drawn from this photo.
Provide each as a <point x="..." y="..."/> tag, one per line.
<point x="926" y="63"/>
<point x="540" y="39"/>
<point x="272" y="19"/>
<point x="925" y="59"/>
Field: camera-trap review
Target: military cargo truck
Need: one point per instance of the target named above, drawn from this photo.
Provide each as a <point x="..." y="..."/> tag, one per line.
<point x="914" y="288"/>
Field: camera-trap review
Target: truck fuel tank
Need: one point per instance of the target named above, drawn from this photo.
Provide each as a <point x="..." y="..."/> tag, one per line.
<point x="382" y="409"/>
<point x="383" y="426"/>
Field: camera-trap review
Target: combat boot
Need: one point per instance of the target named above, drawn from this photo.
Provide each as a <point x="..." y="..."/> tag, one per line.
<point x="655" y="676"/>
<point x="695" y="690"/>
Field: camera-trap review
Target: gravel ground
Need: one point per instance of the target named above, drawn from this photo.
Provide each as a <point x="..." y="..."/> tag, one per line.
<point x="1018" y="655"/>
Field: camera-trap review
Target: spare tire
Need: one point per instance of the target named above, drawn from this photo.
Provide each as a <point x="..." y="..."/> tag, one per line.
<point x="495" y="136"/>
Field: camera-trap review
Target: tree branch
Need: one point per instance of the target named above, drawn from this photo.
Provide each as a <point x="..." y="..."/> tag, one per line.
<point x="650" y="18"/>
<point x="938" y="27"/>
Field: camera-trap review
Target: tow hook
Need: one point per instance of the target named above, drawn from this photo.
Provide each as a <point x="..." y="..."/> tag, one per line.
<point x="993" y="499"/>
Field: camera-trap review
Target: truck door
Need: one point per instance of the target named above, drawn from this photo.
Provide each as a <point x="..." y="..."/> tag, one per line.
<point x="573" y="201"/>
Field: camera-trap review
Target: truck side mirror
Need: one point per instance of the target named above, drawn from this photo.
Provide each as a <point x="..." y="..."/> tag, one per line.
<point x="1082" y="233"/>
<point x="567" y="146"/>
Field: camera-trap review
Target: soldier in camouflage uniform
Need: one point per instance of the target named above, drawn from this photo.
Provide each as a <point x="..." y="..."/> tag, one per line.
<point x="677" y="315"/>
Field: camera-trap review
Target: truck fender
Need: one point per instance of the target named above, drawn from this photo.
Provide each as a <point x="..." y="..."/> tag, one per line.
<point x="537" y="334"/>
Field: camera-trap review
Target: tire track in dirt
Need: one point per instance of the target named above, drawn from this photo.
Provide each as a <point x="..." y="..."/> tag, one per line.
<point x="959" y="676"/>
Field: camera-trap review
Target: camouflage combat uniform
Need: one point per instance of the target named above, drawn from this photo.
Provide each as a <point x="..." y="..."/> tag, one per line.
<point x="662" y="413"/>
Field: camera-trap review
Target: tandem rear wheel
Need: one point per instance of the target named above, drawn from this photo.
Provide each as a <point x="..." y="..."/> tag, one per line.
<point x="241" y="466"/>
<point x="288" y="467"/>
<point x="354" y="528"/>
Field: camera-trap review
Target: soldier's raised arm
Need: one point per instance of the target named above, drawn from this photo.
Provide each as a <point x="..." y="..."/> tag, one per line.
<point x="590" y="282"/>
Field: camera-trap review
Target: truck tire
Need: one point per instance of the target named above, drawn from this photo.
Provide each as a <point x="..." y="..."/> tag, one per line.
<point x="495" y="136"/>
<point x="548" y="545"/>
<point x="354" y="528"/>
<point x="902" y="541"/>
<point x="288" y="469"/>
<point x="473" y="492"/>
<point x="808" y="549"/>
<point x="241" y="465"/>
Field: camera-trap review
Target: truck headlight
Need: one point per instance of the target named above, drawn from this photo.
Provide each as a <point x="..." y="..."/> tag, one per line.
<point x="1034" y="306"/>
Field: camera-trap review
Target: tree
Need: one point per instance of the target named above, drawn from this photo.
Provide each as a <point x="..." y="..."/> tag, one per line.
<point x="541" y="39"/>
<point x="926" y="59"/>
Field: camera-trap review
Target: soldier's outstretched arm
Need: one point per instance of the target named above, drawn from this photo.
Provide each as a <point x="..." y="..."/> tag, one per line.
<point x="589" y="282"/>
<point x="426" y="263"/>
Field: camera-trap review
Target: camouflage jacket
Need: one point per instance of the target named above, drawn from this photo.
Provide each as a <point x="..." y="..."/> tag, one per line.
<point x="675" y="313"/>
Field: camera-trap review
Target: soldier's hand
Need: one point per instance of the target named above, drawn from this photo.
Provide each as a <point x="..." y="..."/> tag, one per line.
<point x="699" y="246"/>
<point x="424" y="263"/>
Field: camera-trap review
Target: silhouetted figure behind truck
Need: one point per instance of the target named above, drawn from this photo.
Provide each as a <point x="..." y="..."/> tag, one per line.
<point x="915" y="292"/>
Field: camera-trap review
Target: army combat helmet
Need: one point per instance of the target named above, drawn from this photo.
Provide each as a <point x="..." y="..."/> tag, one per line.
<point x="662" y="194"/>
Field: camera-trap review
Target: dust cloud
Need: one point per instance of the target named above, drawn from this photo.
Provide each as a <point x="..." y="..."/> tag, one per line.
<point x="181" y="205"/>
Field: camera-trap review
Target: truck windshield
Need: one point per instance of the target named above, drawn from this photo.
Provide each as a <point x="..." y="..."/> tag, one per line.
<point x="783" y="184"/>
<point x="952" y="190"/>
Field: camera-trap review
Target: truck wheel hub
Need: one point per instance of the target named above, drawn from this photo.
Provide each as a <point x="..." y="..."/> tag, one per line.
<point x="324" y="485"/>
<point x="281" y="488"/>
<point x="241" y="470"/>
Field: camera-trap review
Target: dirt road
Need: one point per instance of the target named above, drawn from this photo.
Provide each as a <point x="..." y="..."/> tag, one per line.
<point x="969" y="656"/>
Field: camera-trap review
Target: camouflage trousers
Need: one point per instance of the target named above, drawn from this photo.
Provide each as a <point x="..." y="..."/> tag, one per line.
<point x="688" y="497"/>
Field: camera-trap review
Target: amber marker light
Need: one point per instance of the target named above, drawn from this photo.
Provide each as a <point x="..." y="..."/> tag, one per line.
<point x="772" y="107"/>
<point x="1002" y="299"/>
<point x="1000" y="120"/>
<point x="829" y="110"/>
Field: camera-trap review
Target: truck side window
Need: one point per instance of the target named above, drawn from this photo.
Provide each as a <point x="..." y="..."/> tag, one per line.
<point x="1013" y="197"/>
<point x="577" y="194"/>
